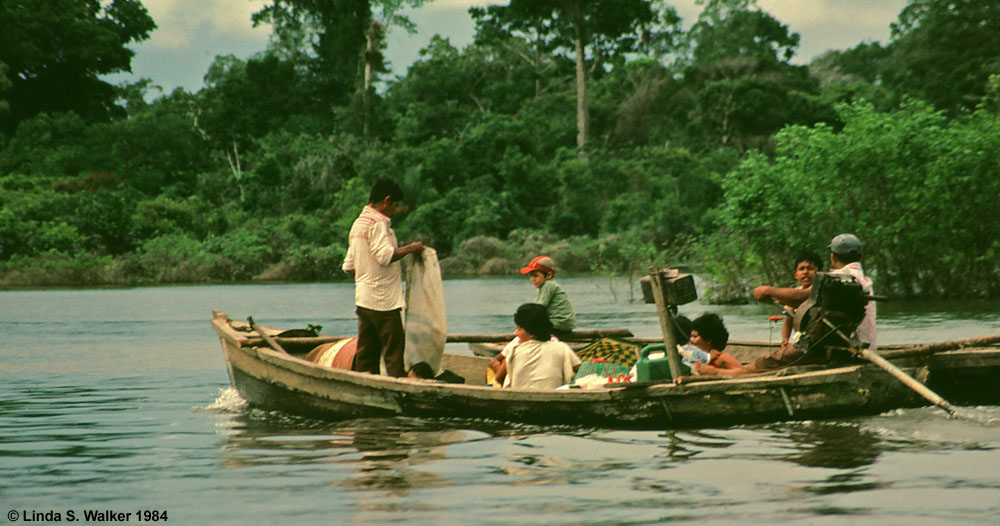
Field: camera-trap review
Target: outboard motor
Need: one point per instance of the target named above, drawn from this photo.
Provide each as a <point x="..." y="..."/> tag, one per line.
<point x="835" y="308"/>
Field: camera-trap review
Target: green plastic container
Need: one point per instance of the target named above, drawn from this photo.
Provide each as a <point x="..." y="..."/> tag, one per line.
<point x="653" y="364"/>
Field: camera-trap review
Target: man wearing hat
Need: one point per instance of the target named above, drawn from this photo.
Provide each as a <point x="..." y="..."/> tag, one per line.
<point x="845" y="258"/>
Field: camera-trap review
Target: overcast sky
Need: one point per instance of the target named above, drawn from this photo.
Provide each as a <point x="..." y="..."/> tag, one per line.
<point x="187" y="39"/>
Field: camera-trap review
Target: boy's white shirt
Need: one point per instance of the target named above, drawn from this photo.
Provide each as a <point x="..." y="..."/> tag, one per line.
<point x="540" y="365"/>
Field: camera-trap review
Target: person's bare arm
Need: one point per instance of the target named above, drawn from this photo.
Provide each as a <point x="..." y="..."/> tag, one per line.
<point x="496" y="361"/>
<point x="792" y="297"/>
<point x="724" y="360"/>
<point x="413" y="248"/>
<point x="501" y="372"/>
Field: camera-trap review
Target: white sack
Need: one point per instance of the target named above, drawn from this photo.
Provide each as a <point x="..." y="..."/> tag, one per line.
<point x="426" y="323"/>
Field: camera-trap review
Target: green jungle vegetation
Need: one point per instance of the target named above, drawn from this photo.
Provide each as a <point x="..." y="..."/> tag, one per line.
<point x="608" y="135"/>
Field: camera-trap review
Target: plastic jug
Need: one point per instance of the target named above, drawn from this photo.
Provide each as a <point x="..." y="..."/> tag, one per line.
<point x="653" y="364"/>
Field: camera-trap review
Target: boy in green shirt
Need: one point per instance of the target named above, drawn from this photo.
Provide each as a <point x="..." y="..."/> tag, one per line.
<point x="549" y="294"/>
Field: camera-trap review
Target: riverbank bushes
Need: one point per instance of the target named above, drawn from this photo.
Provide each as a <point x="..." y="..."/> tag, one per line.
<point x="242" y="256"/>
<point x="921" y="190"/>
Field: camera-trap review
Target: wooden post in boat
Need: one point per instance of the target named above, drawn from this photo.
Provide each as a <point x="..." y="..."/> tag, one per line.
<point x="266" y="337"/>
<point x="666" y="323"/>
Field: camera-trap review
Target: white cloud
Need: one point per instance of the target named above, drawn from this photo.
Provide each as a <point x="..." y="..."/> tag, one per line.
<point x="834" y="24"/>
<point x="834" y="14"/>
<point x="179" y="22"/>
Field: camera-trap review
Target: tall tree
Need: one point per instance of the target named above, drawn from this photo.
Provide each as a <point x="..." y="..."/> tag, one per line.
<point x="853" y="74"/>
<point x="533" y="41"/>
<point x="943" y="51"/>
<point x="5" y="85"/>
<point x="56" y="51"/>
<point x="333" y="32"/>
<point x="387" y="13"/>
<point x="344" y="37"/>
<point x="598" y="24"/>
<point x="737" y="28"/>
<point x="740" y="83"/>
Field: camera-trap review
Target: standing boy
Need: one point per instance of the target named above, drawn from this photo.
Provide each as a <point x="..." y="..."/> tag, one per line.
<point x="373" y="259"/>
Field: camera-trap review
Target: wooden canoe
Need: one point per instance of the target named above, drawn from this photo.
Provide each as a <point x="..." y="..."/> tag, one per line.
<point x="965" y="374"/>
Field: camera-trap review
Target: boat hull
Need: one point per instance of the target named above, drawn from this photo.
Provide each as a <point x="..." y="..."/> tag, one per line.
<point x="274" y="380"/>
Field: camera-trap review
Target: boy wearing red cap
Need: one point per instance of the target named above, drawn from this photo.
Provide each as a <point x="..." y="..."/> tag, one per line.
<point x="549" y="294"/>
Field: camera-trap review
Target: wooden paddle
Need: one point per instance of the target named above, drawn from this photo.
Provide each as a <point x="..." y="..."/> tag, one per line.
<point x="265" y="336"/>
<point x="899" y="374"/>
<point x="896" y="372"/>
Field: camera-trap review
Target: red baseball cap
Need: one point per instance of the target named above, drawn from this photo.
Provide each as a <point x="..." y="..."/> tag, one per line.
<point x="543" y="263"/>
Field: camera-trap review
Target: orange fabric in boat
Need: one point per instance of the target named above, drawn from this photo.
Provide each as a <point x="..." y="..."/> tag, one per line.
<point x="338" y="355"/>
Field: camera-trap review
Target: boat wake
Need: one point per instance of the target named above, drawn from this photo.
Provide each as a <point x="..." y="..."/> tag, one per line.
<point x="972" y="427"/>
<point x="229" y="401"/>
<point x="985" y="415"/>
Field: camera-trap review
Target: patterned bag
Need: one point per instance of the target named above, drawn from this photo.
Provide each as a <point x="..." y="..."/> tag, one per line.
<point x="611" y="350"/>
<point x="607" y="357"/>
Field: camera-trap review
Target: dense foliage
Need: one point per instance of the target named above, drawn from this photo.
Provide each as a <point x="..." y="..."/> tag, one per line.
<point x="922" y="188"/>
<point x="703" y="146"/>
<point x="54" y="52"/>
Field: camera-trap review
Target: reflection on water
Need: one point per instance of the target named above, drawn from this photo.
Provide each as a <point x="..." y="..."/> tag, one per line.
<point x="834" y="445"/>
<point x="120" y="399"/>
<point x="43" y="425"/>
<point x="384" y="454"/>
<point x="396" y="467"/>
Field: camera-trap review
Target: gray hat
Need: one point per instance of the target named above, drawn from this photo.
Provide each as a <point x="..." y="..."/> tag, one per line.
<point x="845" y="244"/>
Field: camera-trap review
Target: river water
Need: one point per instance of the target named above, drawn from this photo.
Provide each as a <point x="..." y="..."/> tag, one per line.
<point x="118" y="400"/>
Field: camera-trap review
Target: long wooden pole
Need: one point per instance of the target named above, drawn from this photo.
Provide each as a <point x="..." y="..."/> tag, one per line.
<point x="900" y="375"/>
<point x="575" y="336"/>
<point x="666" y="323"/>
<point x="932" y="348"/>
<point x="910" y="381"/>
<point x="267" y="337"/>
<point x="572" y="336"/>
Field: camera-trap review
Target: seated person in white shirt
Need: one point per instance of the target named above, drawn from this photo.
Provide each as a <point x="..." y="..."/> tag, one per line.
<point x="537" y="361"/>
